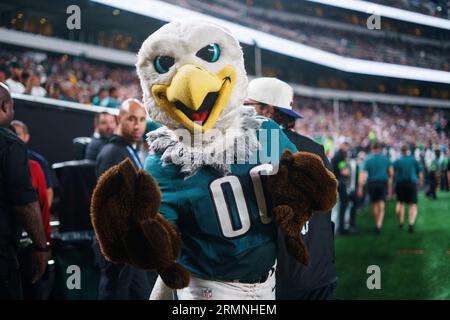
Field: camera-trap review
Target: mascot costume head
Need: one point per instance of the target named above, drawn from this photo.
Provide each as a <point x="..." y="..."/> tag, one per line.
<point x="193" y="77"/>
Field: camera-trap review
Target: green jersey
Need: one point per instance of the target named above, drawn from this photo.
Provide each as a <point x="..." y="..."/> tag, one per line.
<point x="224" y="220"/>
<point x="377" y="166"/>
<point x="406" y="169"/>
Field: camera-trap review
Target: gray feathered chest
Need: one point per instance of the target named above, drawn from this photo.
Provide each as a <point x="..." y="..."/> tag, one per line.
<point x="233" y="140"/>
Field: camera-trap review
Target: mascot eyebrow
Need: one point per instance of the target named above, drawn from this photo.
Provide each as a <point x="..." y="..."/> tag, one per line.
<point x="158" y="219"/>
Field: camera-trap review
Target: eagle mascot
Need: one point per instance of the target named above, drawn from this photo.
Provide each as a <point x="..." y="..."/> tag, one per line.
<point x="219" y="182"/>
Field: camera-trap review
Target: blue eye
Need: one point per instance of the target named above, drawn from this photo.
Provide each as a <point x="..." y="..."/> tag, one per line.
<point x="163" y="63"/>
<point x="210" y="53"/>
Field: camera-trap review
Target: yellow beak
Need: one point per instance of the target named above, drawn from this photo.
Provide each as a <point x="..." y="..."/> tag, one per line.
<point x="195" y="97"/>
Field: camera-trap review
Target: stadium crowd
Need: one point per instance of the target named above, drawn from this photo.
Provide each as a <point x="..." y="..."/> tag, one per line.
<point x="363" y="123"/>
<point x="79" y="80"/>
<point x="67" y="78"/>
<point x="436" y="8"/>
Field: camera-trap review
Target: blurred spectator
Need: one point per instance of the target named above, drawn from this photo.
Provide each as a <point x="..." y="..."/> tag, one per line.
<point x="34" y="291"/>
<point x="443" y="165"/>
<point x="407" y="177"/>
<point x="69" y="92"/>
<point x="112" y="100"/>
<point x="433" y="176"/>
<point x="355" y="202"/>
<point x="34" y="87"/>
<point x="377" y="171"/>
<point x="18" y="203"/>
<point x="123" y="282"/>
<point x="102" y="94"/>
<point x="448" y="168"/>
<point x="15" y="81"/>
<point x="105" y="125"/>
<point x="22" y="132"/>
<point x="340" y="163"/>
<point x="54" y="91"/>
<point x="40" y="185"/>
<point x="4" y="73"/>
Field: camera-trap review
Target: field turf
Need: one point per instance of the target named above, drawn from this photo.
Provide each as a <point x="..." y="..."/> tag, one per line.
<point x="413" y="266"/>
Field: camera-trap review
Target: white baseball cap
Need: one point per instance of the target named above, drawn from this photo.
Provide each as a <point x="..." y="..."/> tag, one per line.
<point x="274" y="92"/>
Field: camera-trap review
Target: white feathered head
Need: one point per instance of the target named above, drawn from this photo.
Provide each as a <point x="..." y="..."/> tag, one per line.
<point x="192" y="75"/>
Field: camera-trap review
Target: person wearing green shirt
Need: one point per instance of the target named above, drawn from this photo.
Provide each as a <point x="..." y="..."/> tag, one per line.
<point x="377" y="171"/>
<point x="407" y="176"/>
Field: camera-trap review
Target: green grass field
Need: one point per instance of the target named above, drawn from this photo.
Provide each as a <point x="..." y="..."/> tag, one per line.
<point x="403" y="275"/>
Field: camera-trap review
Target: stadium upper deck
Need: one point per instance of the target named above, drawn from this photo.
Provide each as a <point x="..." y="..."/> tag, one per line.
<point x="347" y="49"/>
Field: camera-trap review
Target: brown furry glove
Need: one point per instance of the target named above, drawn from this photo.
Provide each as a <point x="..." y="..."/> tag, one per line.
<point x="302" y="185"/>
<point x="129" y="228"/>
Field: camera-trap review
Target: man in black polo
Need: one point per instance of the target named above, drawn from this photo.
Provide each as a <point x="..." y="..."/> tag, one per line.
<point x="272" y="98"/>
<point x="18" y="206"/>
<point x="117" y="281"/>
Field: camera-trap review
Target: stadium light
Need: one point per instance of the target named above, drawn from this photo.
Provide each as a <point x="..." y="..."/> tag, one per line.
<point x="168" y="12"/>
<point x="388" y="12"/>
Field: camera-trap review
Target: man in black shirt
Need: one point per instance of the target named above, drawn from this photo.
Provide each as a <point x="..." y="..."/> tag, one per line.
<point x="272" y="98"/>
<point x="105" y="124"/>
<point x="18" y="206"/>
<point x="342" y="172"/>
<point x="122" y="282"/>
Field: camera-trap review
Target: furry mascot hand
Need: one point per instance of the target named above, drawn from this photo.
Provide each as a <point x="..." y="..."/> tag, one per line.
<point x="302" y="185"/>
<point x="129" y="228"/>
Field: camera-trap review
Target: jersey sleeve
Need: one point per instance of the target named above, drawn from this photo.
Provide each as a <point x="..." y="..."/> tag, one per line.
<point x="166" y="177"/>
<point x="273" y="141"/>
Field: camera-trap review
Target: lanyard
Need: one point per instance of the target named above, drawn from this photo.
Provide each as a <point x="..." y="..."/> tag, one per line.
<point x="134" y="157"/>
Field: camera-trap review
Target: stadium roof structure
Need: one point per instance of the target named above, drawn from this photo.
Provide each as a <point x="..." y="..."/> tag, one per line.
<point x="388" y="12"/>
<point x="169" y="12"/>
<point x="37" y="41"/>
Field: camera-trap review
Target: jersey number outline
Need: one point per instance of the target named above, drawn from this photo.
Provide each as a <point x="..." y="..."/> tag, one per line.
<point x="223" y="210"/>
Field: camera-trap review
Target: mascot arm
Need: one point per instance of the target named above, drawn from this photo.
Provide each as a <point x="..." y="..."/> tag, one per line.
<point x="126" y="219"/>
<point x="302" y="185"/>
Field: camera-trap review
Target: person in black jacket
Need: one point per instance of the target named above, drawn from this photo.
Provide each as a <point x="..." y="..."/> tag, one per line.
<point x="19" y="207"/>
<point x="272" y="98"/>
<point x="122" y="282"/>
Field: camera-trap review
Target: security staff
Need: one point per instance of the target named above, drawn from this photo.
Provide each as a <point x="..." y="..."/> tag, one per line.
<point x="273" y="98"/>
<point x="18" y="206"/>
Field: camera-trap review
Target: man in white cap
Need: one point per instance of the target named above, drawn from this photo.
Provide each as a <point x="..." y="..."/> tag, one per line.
<point x="273" y="98"/>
